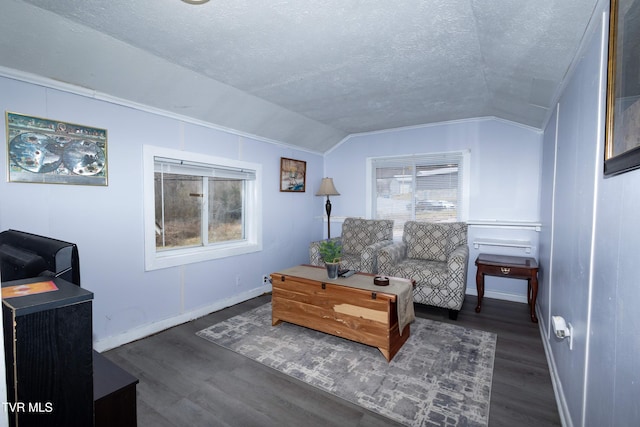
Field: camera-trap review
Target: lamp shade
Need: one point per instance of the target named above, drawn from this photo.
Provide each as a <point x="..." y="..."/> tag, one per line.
<point x="327" y="188"/>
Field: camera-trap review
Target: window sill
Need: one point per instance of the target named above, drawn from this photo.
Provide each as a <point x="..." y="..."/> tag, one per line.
<point x="173" y="258"/>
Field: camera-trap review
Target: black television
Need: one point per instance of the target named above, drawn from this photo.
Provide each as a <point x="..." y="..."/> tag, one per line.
<point x="24" y="255"/>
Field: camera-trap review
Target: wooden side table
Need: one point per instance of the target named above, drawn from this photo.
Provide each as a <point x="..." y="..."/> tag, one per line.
<point x="508" y="266"/>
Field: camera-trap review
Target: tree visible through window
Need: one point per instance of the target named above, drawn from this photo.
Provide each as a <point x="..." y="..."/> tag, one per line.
<point x="183" y="211"/>
<point x="199" y="207"/>
<point x="226" y="210"/>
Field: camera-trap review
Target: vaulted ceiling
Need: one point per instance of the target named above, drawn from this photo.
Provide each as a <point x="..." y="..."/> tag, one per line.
<point x="306" y="73"/>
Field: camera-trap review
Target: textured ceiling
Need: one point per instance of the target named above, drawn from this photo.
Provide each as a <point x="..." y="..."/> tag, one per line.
<point x="306" y="73"/>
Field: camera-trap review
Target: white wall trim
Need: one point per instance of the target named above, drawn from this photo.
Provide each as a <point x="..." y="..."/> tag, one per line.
<point x="499" y="223"/>
<point x="146" y="330"/>
<point x="597" y="177"/>
<point x="93" y="94"/>
<point x="552" y="226"/>
<point x="561" y="401"/>
<point x="497" y="295"/>
<point x="426" y="125"/>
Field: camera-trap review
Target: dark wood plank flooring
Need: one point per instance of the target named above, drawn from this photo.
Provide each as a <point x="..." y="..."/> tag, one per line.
<point x="188" y="381"/>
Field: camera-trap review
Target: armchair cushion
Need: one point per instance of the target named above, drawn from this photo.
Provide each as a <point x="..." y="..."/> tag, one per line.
<point x="359" y="233"/>
<point x="427" y="241"/>
<point x="435" y="256"/>
<point x="360" y="239"/>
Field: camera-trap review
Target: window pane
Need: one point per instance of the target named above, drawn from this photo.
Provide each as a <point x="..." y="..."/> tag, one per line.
<point x="436" y="193"/>
<point x="199" y="207"/>
<point x="422" y="188"/>
<point x="225" y="210"/>
<point x="178" y="207"/>
<point x="394" y="195"/>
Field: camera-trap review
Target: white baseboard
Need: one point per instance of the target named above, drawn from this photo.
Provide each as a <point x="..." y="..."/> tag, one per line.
<point x="563" y="408"/>
<point x="498" y="295"/>
<point x="149" y="329"/>
<point x="145" y="330"/>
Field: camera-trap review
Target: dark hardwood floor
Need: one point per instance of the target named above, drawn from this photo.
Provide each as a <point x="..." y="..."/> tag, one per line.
<point x="188" y="381"/>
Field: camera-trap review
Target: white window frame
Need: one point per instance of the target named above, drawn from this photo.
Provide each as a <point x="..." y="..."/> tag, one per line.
<point x="253" y="212"/>
<point x="463" y="199"/>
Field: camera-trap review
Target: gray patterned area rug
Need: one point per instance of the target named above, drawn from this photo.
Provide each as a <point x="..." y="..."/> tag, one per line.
<point x="440" y="377"/>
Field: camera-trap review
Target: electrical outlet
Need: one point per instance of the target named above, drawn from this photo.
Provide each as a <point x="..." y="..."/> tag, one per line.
<point x="266" y="279"/>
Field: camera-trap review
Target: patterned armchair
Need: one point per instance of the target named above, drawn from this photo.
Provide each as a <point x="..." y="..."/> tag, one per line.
<point x="435" y="256"/>
<point x="361" y="239"/>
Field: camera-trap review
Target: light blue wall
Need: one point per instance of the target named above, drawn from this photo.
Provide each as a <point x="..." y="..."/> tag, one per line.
<point x="577" y="151"/>
<point x="613" y="381"/>
<point x="106" y="222"/>
<point x="504" y="181"/>
<point x="589" y="238"/>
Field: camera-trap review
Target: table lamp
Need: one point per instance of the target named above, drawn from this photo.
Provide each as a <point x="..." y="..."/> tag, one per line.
<point x="328" y="189"/>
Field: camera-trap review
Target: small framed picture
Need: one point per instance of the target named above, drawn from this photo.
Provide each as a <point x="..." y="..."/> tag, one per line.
<point x="293" y="175"/>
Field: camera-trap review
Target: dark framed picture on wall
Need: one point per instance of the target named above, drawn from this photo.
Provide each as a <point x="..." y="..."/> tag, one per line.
<point x="293" y="175"/>
<point x="622" y="135"/>
<point x="50" y="151"/>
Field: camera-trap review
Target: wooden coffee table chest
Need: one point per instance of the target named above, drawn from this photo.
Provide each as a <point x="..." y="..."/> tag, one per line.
<point x="305" y="296"/>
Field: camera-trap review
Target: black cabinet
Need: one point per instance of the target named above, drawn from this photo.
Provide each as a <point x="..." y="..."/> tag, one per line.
<point x="114" y="391"/>
<point x="48" y="356"/>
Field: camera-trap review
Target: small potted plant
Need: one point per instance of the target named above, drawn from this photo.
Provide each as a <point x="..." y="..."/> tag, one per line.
<point x="331" y="252"/>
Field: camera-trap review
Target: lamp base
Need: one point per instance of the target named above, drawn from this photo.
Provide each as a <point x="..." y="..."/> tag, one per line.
<point x="327" y="208"/>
